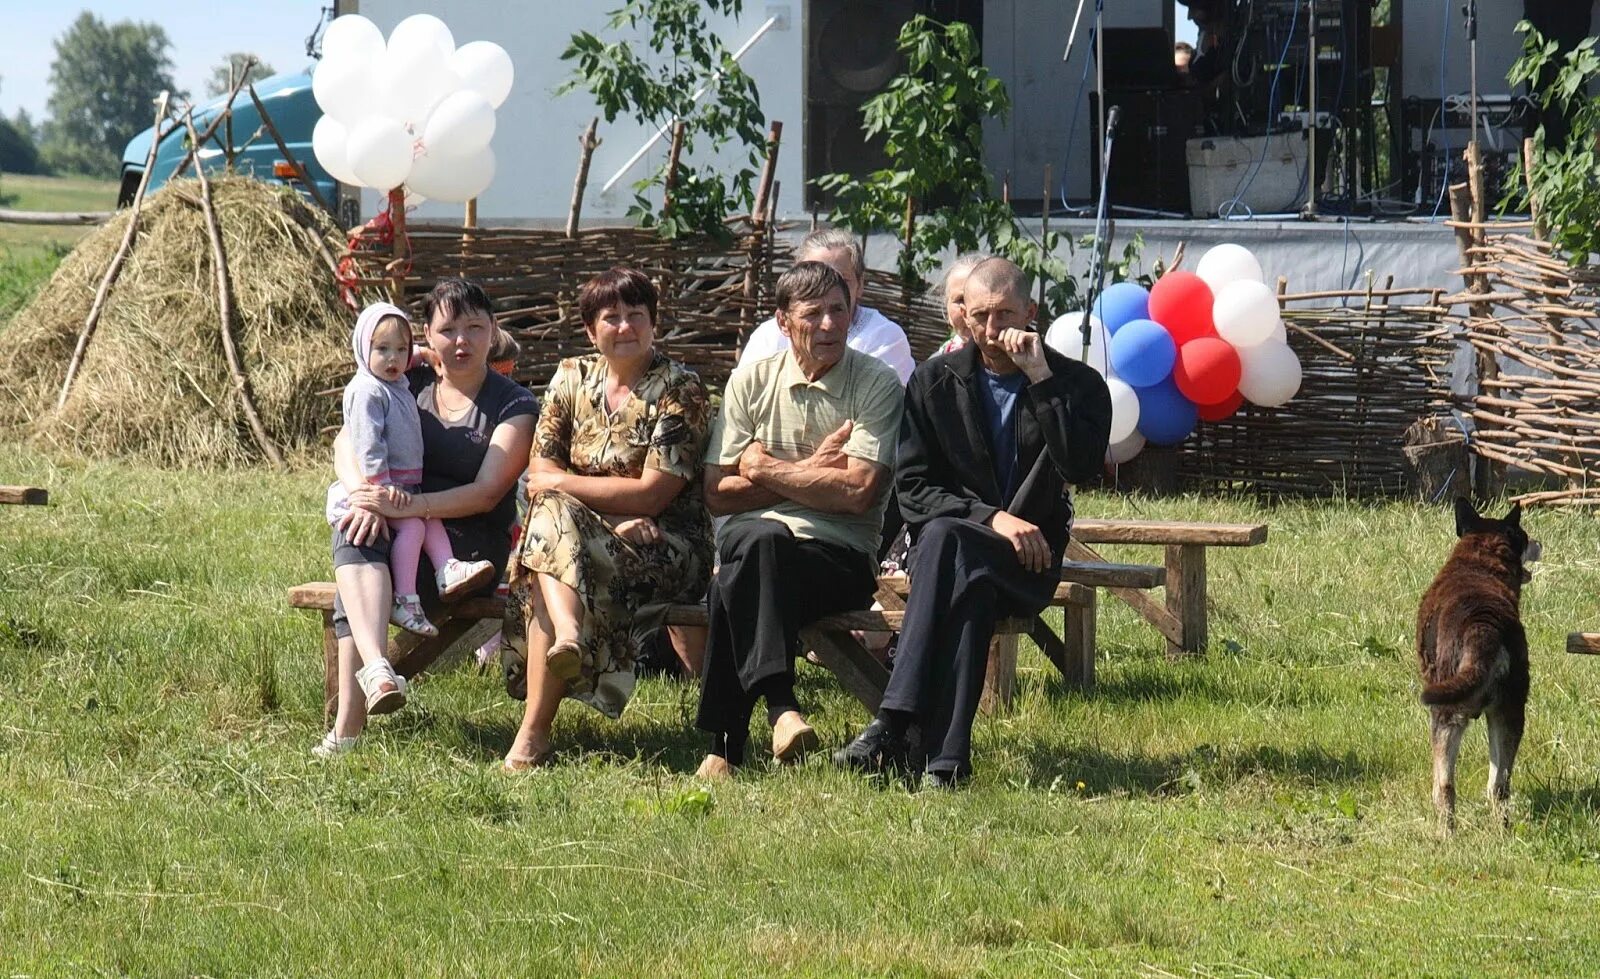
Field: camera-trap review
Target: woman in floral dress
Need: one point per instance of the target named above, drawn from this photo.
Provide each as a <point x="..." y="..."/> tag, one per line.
<point x="616" y="527"/>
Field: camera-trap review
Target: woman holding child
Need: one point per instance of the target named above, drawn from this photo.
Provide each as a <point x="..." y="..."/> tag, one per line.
<point x="616" y="528"/>
<point x="476" y="427"/>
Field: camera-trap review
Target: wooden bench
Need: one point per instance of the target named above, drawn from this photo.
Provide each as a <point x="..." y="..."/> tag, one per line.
<point x="1182" y="618"/>
<point x="830" y="637"/>
<point x="24" y="495"/>
<point x="1584" y="643"/>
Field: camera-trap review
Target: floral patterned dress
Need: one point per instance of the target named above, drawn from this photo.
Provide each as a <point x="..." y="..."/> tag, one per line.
<point x="625" y="588"/>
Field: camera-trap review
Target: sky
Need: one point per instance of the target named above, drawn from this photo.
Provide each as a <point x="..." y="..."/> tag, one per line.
<point x="202" y="33"/>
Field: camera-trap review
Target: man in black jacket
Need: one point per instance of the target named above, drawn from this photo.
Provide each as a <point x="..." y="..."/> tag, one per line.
<point x="990" y="437"/>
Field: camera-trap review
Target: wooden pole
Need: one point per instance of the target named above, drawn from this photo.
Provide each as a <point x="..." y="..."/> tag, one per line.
<point x="196" y="142"/>
<point x="1527" y="177"/>
<point x="397" y="222"/>
<point x="587" y="142"/>
<point x="115" y="268"/>
<point x="289" y="158"/>
<point x="758" y="252"/>
<point x="225" y="310"/>
<point x="672" y="166"/>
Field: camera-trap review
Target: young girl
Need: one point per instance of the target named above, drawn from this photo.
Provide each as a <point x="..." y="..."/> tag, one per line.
<point x="385" y="430"/>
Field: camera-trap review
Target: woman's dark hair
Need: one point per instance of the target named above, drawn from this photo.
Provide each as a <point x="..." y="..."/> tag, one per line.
<point x="613" y="288"/>
<point x="456" y="297"/>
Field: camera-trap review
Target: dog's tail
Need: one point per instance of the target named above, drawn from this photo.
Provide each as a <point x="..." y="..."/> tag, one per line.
<point x="1453" y="690"/>
<point x="1480" y="649"/>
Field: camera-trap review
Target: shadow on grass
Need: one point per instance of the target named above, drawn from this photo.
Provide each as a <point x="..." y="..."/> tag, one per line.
<point x="1545" y="801"/>
<point x="1182" y="772"/>
<point x="1164" y="683"/>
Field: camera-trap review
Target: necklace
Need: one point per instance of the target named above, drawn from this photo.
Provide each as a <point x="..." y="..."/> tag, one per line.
<point x="444" y="406"/>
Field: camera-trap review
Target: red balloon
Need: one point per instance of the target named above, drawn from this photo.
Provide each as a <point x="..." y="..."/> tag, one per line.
<point x="1218" y="412"/>
<point x="1181" y="302"/>
<point x="1207" y="370"/>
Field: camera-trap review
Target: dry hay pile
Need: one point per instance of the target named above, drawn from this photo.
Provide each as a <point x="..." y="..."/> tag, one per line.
<point x="155" y="383"/>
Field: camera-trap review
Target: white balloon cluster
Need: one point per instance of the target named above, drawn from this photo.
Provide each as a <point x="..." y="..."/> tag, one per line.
<point x="415" y="111"/>
<point x="1246" y="315"/>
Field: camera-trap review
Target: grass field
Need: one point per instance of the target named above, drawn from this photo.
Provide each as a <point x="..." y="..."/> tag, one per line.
<point x="30" y="252"/>
<point x="1261" y="810"/>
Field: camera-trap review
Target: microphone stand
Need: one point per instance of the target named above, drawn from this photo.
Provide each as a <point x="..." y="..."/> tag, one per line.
<point x="1102" y="240"/>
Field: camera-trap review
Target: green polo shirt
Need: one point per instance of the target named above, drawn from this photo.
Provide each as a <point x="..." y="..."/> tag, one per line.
<point x="772" y="402"/>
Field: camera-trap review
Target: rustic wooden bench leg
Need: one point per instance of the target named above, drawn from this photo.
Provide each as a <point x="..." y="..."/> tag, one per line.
<point x="1050" y="644"/>
<point x="1186" y="597"/>
<point x="1078" y="621"/>
<point x="411" y="653"/>
<point x="857" y="670"/>
<point x="1000" y="679"/>
<point x="330" y="668"/>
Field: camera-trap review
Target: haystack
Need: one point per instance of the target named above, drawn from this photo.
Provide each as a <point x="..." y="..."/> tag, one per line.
<point x="155" y="383"/>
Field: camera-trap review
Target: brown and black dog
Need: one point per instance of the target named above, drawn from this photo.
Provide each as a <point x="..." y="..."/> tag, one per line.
<point x="1473" y="652"/>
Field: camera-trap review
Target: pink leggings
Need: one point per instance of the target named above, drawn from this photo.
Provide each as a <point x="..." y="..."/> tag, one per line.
<point x="412" y="536"/>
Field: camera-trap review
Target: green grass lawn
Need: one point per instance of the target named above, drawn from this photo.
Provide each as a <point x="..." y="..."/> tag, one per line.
<point x="1260" y="810"/>
<point x="30" y="252"/>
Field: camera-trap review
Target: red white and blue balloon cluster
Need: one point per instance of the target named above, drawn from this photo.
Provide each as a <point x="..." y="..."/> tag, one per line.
<point x="1192" y="348"/>
<point x="413" y="111"/>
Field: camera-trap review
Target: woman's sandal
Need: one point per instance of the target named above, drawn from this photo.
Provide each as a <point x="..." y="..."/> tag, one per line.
<point x="564" y="659"/>
<point x="385" y="689"/>
<point x="331" y="746"/>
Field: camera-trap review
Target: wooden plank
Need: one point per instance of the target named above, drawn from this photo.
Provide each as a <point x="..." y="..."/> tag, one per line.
<point x="1107" y="574"/>
<point x="858" y="671"/>
<point x="24" y="495"/>
<point x="1169" y="532"/>
<point x="1186" y="596"/>
<point x="9" y="216"/>
<point x="411" y="653"/>
<point x="898" y="586"/>
<point x="1584" y="643"/>
<point x="330" y="669"/>
<point x="1079" y="624"/>
<point x="1050" y="644"/>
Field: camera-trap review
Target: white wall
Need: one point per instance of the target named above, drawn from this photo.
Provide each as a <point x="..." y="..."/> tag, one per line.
<point x="1430" y="28"/>
<point x="536" y="136"/>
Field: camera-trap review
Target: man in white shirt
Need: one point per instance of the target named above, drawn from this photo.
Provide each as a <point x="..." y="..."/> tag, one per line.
<point x="871" y="332"/>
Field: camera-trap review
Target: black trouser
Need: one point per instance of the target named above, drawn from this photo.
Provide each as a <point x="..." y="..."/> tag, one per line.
<point x="770" y="583"/>
<point x="964" y="578"/>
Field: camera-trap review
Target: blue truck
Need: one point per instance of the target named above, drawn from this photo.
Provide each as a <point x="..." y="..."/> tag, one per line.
<point x="294" y="112"/>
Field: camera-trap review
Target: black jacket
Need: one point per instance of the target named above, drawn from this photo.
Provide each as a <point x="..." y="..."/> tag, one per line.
<point x="944" y="465"/>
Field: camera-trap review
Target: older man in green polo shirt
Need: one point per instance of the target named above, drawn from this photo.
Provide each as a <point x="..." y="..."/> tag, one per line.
<point x="799" y="461"/>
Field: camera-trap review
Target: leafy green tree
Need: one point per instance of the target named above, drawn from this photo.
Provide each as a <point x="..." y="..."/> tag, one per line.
<point x="931" y="119"/>
<point x="656" y="83"/>
<point x="102" y="81"/>
<point x="224" y="75"/>
<point x="1565" y="179"/>
<point x="18" y="150"/>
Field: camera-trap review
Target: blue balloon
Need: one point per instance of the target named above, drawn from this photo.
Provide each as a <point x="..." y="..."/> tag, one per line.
<point x="1121" y="304"/>
<point x="1142" y="352"/>
<point x="1166" y="417"/>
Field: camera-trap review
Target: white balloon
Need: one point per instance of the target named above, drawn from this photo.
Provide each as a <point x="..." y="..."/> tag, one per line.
<point x="485" y="68"/>
<point x="379" y="150"/>
<point x="460" y="125"/>
<point x="1125" y="450"/>
<point x="1227" y="263"/>
<point x="330" y="141"/>
<point x="352" y="36"/>
<point x="1280" y="334"/>
<point x="1065" y="336"/>
<point x="344" y="89"/>
<point x="422" y="32"/>
<point x="453" y="178"/>
<point x="1270" y="374"/>
<point x="1124" y="409"/>
<point x="1245" y="313"/>
<point x="410" y="83"/>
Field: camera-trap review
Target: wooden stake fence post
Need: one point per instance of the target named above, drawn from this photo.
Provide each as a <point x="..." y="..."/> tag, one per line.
<point x="397" y="223"/>
<point x="115" y="268"/>
<point x="225" y="315"/>
<point x="758" y="231"/>
<point x="587" y="142"/>
<point x="1467" y="208"/>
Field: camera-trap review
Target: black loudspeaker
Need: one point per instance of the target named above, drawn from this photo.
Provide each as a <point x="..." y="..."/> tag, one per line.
<point x="1149" y="165"/>
<point x="850" y="57"/>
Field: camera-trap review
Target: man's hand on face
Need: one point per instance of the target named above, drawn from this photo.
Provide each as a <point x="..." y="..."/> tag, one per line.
<point x="1026" y="350"/>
